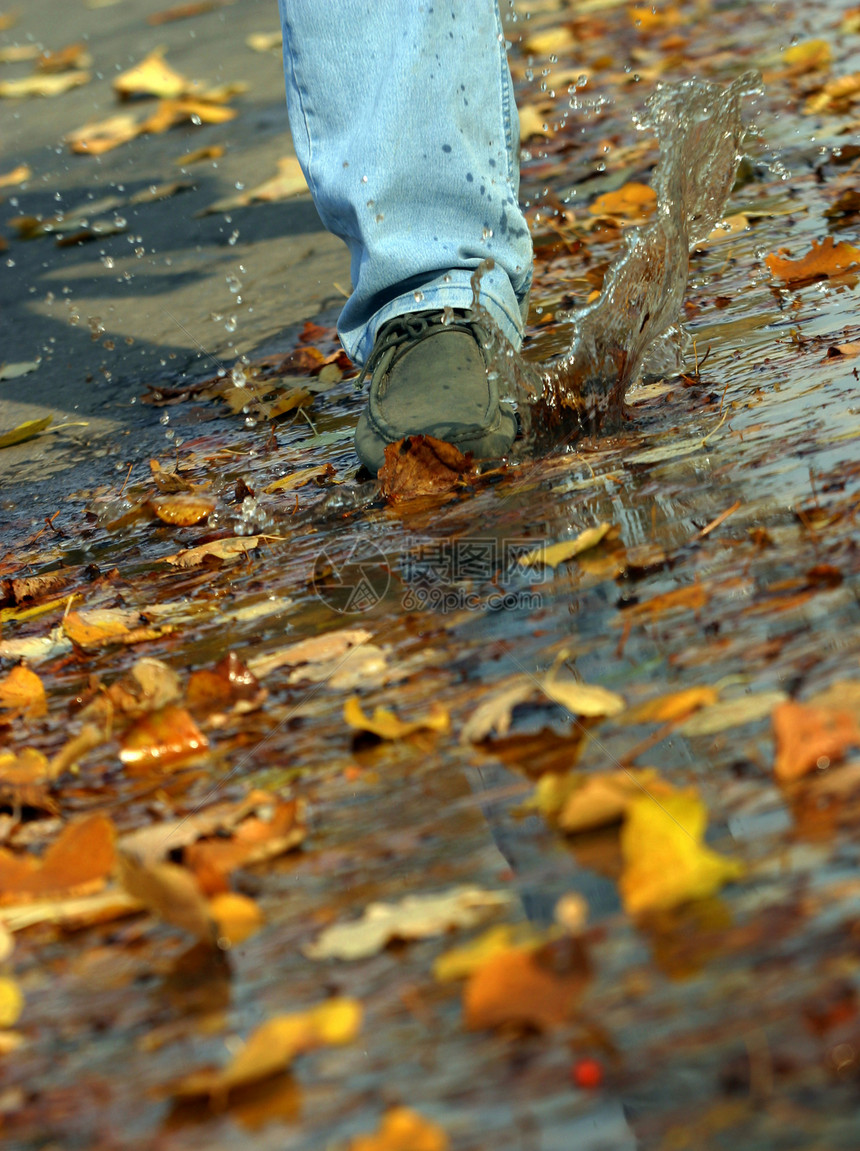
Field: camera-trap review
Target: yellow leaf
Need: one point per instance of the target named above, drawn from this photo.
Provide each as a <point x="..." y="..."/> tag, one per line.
<point x="676" y="705"/>
<point x="26" y="431"/>
<point x="632" y="201"/>
<point x="577" y="803"/>
<point x="105" y="135"/>
<point x="460" y="962"/>
<point x="16" y="176"/>
<point x="583" y="699"/>
<point x="273" y="1046"/>
<point x="235" y="916"/>
<point x="386" y="725"/>
<point x="287" y="182"/>
<point x="402" y="1130"/>
<point x="151" y="77"/>
<point x="23" y="691"/>
<point x="666" y="862"/>
<point x="182" y="510"/>
<point x="209" y="152"/>
<point x="299" y="479"/>
<point x="550" y="41"/>
<point x="43" y="85"/>
<point x="807" y="56"/>
<point x="11" y="1002"/>
<point x="556" y="554"/>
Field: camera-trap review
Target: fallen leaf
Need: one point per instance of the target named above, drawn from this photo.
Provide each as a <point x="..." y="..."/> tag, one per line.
<point x="422" y="466"/>
<point x="386" y="725"/>
<point x="317" y="649"/>
<point x="264" y="41"/>
<point x="236" y="918"/>
<point x="666" y="862"/>
<point x="550" y="41"/>
<point x="494" y="715"/>
<point x="64" y="59"/>
<point x="266" y="833"/>
<point x="630" y="202"/>
<point x="528" y="988"/>
<point x="36" y="648"/>
<point x="162" y="740"/>
<point x="273" y="1046"/>
<point x="25" y="777"/>
<point x="172" y="893"/>
<point x="836" y="351"/>
<point x="461" y="962"/>
<point x="72" y="914"/>
<point x="582" y="699"/>
<point x="536" y="120"/>
<point x="185" y="11"/>
<point x="402" y="1130"/>
<point x="102" y="626"/>
<point x="807" y="56"/>
<point x="674" y="706"/>
<point x="809" y="737"/>
<point x="96" y="138"/>
<point x="182" y="510"/>
<point x="42" y="85"/>
<point x="230" y="682"/>
<point x="22" y="691"/>
<point x="820" y="262"/>
<point x="300" y="478"/>
<point x="151" y="77"/>
<point x="730" y="713"/>
<point x="26" y="431"/>
<point x="14" y="177"/>
<point x="835" y="96"/>
<point x="692" y="597"/>
<point x="169" y="113"/>
<point x="11" y="1002"/>
<point x="78" y="861"/>
<point x="414" y="917"/>
<point x="229" y="550"/>
<point x="576" y="803"/>
<point x="558" y="553"/>
<point x="288" y="182"/>
<point x="209" y="152"/>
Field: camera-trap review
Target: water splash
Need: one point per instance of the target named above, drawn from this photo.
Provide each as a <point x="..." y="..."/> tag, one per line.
<point x="699" y="129"/>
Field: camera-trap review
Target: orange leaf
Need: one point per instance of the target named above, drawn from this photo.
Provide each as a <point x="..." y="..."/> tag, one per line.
<point x="422" y="466"/>
<point x="632" y="201"/>
<point x="526" y="987"/>
<point x="667" y="708"/>
<point x="22" y="690"/>
<point x="821" y="261"/>
<point x="161" y="740"/>
<point x="402" y="1130"/>
<point x="182" y="510"/>
<point x="77" y="862"/>
<point x="810" y="737"/>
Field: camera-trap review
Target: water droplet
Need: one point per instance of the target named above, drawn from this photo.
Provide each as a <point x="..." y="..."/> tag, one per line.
<point x="107" y="261"/>
<point x="165" y="419"/>
<point x="10" y="263"/>
<point x="234" y="236"/>
<point x="231" y="324"/>
<point x="418" y="296"/>
<point x="196" y="120"/>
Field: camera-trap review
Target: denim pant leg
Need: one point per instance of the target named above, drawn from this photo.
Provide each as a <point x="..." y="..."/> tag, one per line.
<point x="404" y="121"/>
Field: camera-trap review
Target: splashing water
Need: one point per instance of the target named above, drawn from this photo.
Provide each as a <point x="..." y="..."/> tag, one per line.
<point x="699" y="130"/>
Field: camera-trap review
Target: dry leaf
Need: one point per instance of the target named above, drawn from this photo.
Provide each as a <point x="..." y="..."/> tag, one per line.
<point x="807" y="56"/>
<point x="461" y="962"/>
<point x="182" y="510"/>
<point x="821" y="261"/>
<point x="318" y="649"/>
<point x="631" y="202"/>
<point x="78" y="861"/>
<point x="582" y="699"/>
<point x="172" y="893"/>
<point x="270" y="830"/>
<point x="11" y="1002"/>
<point x="536" y="120"/>
<point x="414" y="917"/>
<point x="16" y="176"/>
<point x="290" y="181"/>
<point x="264" y="41"/>
<point x="717" y="717"/>
<point x="809" y="737"/>
<point x="65" y="59"/>
<point x="402" y="1130"/>
<point x="675" y="706"/>
<point x="386" y="725"/>
<point x="236" y="917"/>
<point x="229" y="550"/>
<point x="558" y="553"/>
<point x="161" y="740"/>
<point x="25" y="779"/>
<point x="73" y="914"/>
<point x="273" y="1046"/>
<point x="210" y="152"/>
<point x="151" y="77"/>
<point x="577" y="803"/>
<point x="550" y="41"/>
<point x="527" y="988"/>
<point x="835" y="96"/>
<point x="666" y="862"/>
<point x="493" y="715"/>
<point x="42" y="85"/>
<point x="22" y="691"/>
<point x="26" y="431"/>
<point x="300" y="478"/>
<point x="422" y="466"/>
<point x="104" y="135"/>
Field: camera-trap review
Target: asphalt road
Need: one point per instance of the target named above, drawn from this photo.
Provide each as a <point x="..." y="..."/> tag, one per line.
<point x="106" y="317"/>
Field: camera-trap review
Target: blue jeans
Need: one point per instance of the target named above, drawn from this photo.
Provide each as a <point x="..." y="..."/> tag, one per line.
<point x="404" y="121"/>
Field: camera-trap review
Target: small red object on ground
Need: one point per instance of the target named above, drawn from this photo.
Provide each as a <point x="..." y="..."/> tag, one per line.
<point x="587" y="1074"/>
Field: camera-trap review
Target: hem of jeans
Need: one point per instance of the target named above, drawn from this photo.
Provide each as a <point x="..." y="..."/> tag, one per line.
<point x="509" y="321"/>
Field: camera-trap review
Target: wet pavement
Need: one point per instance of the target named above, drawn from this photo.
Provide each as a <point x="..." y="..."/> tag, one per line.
<point x="725" y="1021"/>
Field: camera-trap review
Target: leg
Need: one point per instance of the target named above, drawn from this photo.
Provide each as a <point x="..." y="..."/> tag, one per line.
<point x="404" y="121"/>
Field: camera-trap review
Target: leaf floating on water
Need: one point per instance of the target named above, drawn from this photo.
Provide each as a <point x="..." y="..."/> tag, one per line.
<point x="162" y="740"/>
<point x="402" y="1130"/>
<point x="26" y="431"/>
<point x="172" y="893"/>
<point x="229" y="550"/>
<point x="273" y="1046"/>
<point x="22" y="691"/>
<point x="675" y="706"/>
<point x="236" y="918"/>
<point x="422" y="466"/>
<point x="666" y="862"/>
<point x="822" y="261"/>
<point x="578" y="803"/>
<point x="559" y="553"/>
<point x="461" y="962"/>
<point x="386" y="725"/>
<point x="808" y="737"/>
<point x="528" y="988"/>
<point x="414" y="917"/>
<point x="583" y="699"/>
<point x="182" y="510"/>
<point x="300" y="478"/>
<point x="632" y="202"/>
<point x="78" y="861"/>
<point x="318" y="649"/>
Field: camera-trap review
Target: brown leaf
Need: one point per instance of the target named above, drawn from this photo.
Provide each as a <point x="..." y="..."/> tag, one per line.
<point x="182" y="510"/>
<point x="172" y="893"/>
<point x="102" y="626"/>
<point x="65" y="59"/>
<point x="288" y="182"/>
<point x="162" y="740"/>
<point x="229" y="550"/>
<point x="820" y="262"/>
<point x="77" y="862"/>
<point x="229" y="682"/>
<point x="422" y="466"/>
<point x="527" y="988"/>
<point x="23" y="692"/>
<point x="263" y="835"/>
<point x="811" y="737"/>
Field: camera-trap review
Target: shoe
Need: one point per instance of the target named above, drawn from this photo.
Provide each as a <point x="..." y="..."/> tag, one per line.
<point x="428" y="377"/>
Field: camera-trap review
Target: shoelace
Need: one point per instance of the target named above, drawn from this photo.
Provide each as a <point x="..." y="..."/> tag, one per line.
<point x="408" y="329"/>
